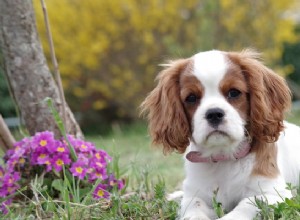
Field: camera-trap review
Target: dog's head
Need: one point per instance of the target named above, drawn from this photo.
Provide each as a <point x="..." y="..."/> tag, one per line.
<point x="216" y="100"/>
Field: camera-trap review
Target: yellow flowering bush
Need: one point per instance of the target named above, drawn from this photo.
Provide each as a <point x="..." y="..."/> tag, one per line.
<point x="109" y="51"/>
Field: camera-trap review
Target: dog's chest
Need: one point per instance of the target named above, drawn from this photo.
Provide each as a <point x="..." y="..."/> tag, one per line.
<point x="226" y="181"/>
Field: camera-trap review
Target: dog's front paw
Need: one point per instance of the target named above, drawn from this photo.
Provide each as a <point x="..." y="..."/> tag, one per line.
<point x="225" y="218"/>
<point x="196" y="217"/>
<point x="234" y="217"/>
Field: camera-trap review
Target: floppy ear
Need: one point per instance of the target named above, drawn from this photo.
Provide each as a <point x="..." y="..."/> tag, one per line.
<point x="269" y="97"/>
<point x="168" y="124"/>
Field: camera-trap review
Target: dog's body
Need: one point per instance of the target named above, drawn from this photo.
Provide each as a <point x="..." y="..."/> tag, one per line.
<point x="236" y="185"/>
<point x="225" y="110"/>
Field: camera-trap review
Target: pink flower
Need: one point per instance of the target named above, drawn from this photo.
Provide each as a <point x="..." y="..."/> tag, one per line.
<point x="100" y="192"/>
<point x="78" y="169"/>
<point x="97" y="165"/>
<point x="11" y="163"/>
<point x="11" y="178"/>
<point x="102" y="156"/>
<point x="22" y="161"/>
<point x="97" y="174"/>
<point x="41" y="158"/>
<point x="72" y="140"/>
<point x="112" y="181"/>
<point x="59" y="147"/>
<point x="43" y="139"/>
<point x="59" y="161"/>
<point x="3" y="206"/>
<point x="84" y="146"/>
<point x="9" y="184"/>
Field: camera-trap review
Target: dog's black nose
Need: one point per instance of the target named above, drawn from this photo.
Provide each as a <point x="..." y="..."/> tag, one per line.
<point x="215" y="116"/>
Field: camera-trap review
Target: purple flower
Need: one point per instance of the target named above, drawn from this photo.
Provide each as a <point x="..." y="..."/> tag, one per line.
<point x="100" y="192"/>
<point x="78" y="169"/>
<point x="97" y="165"/>
<point x="9" y="154"/>
<point x="11" y="163"/>
<point x="6" y="190"/>
<point x="17" y="155"/>
<point x="59" y="147"/>
<point x="84" y="146"/>
<point x="60" y="160"/>
<point x="112" y="181"/>
<point x="83" y="159"/>
<point x="121" y="184"/>
<point x="97" y="174"/>
<point x="72" y="140"/>
<point x="43" y="139"/>
<point x="10" y="179"/>
<point x="18" y="152"/>
<point x="40" y="158"/>
<point x="9" y="183"/>
<point x="102" y="156"/>
<point x="3" y="206"/>
<point x="22" y="161"/>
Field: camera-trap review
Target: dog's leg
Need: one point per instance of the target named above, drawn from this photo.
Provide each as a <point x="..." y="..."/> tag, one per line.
<point x="195" y="209"/>
<point x="247" y="210"/>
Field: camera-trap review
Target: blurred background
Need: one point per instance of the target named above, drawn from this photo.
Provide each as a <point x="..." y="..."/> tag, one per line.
<point x="109" y="51"/>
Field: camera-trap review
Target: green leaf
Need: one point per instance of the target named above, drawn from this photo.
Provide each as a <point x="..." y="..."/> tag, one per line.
<point x="49" y="206"/>
<point x="58" y="184"/>
<point x="56" y="116"/>
<point x="292" y="203"/>
<point x="217" y="205"/>
<point x="60" y="125"/>
<point x="84" y="192"/>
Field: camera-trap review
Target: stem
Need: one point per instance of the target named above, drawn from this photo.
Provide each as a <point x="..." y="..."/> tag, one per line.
<point x="6" y="139"/>
<point x="55" y="64"/>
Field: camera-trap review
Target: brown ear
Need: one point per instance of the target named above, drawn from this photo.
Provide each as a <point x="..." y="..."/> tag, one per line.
<point x="269" y="97"/>
<point x="168" y="124"/>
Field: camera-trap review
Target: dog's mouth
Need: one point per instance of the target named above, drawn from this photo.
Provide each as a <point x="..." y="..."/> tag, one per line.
<point x="216" y="138"/>
<point x="217" y="133"/>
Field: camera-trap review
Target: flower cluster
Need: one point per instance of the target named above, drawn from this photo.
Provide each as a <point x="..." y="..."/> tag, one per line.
<point x="43" y="151"/>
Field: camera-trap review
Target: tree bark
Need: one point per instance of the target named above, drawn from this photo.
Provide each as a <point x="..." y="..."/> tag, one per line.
<point x="27" y="70"/>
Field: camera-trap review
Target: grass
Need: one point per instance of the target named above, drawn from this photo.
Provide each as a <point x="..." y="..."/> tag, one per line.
<point x="288" y="209"/>
<point x="133" y="146"/>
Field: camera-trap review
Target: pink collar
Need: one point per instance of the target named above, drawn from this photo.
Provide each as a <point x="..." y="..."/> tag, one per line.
<point x="196" y="156"/>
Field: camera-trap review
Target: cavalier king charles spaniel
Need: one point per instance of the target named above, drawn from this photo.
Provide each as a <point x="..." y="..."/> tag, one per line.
<point x="225" y="112"/>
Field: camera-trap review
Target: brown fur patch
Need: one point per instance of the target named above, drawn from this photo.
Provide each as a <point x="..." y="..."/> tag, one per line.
<point x="266" y="160"/>
<point x="190" y="85"/>
<point x="234" y="79"/>
<point x="168" y="123"/>
<point x="269" y="97"/>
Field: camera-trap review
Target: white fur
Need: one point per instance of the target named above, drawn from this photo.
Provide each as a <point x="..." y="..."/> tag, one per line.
<point x="210" y="68"/>
<point x="236" y="186"/>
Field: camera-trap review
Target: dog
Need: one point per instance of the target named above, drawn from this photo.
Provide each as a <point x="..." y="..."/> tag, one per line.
<point x="225" y="111"/>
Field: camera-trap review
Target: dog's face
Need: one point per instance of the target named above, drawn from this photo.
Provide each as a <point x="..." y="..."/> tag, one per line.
<point x="216" y="100"/>
<point x="214" y="96"/>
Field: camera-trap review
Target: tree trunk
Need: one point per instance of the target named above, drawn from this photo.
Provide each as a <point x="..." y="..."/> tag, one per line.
<point x="27" y="70"/>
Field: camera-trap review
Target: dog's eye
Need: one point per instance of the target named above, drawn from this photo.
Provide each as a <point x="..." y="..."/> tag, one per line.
<point x="233" y="93"/>
<point x="191" y="99"/>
